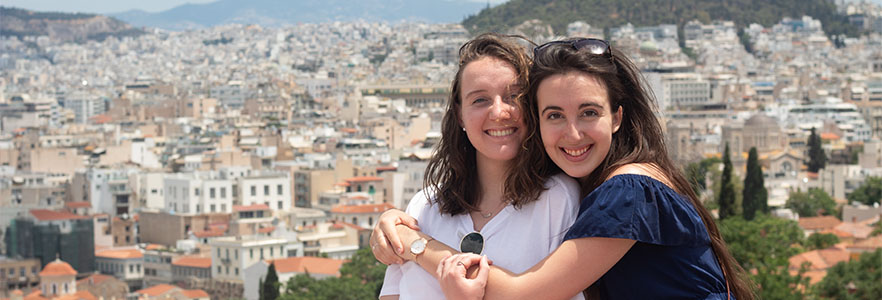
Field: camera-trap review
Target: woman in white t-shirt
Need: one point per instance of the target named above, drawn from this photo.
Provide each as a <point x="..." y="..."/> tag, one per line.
<point x="516" y="217"/>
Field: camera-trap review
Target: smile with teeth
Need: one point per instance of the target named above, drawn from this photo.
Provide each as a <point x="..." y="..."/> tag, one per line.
<point x="501" y="132"/>
<point x="576" y="152"/>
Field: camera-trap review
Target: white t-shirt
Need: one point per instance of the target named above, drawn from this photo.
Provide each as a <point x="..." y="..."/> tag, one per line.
<point x="515" y="239"/>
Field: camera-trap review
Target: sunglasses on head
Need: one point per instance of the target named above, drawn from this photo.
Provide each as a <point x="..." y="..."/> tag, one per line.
<point x="593" y="46"/>
<point x="472" y="243"/>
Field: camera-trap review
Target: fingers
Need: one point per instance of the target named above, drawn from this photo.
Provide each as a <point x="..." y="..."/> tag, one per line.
<point x="391" y="235"/>
<point x="483" y="271"/>
<point x="410" y="221"/>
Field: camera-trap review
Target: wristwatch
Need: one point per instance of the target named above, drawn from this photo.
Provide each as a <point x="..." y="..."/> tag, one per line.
<point x="419" y="246"/>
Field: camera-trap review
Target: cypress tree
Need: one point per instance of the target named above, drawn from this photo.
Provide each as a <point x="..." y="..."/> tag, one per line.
<point x="755" y="194"/>
<point x="816" y="156"/>
<point x="726" y="197"/>
<point x="269" y="288"/>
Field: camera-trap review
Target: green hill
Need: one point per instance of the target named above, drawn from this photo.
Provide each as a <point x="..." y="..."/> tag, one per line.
<point x="612" y="13"/>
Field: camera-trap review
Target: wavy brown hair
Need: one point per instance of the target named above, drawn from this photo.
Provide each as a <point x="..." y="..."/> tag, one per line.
<point x="639" y="139"/>
<point x="451" y="172"/>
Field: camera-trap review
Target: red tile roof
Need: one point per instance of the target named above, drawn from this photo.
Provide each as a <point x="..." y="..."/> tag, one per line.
<point x="315" y="265"/>
<point x="362" y="209"/>
<point x="51" y="215"/>
<point x="193" y="262"/>
<point x="364" y="179"/>
<point x="819" y="261"/>
<point x="340" y="225"/>
<point x="154" y="247"/>
<point x="119" y="254"/>
<point x="818" y="223"/>
<point x="58" y="268"/>
<point x="194" y="294"/>
<point x="252" y="207"/>
<point x="80" y="204"/>
<point x="266" y="229"/>
<point x="209" y="233"/>
<point x="870" y="244"/>
<point x="156" y="290"/>
<point x="387" y="168"/>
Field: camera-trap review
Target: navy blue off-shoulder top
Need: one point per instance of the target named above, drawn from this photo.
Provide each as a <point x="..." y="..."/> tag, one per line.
<point x="672" y="257"/>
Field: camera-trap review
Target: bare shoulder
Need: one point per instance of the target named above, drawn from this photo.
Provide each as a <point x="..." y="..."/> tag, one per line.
<point x="650" y="170"/>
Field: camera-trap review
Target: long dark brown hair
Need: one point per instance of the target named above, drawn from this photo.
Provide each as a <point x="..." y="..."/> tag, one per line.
<point x="451" y="172"/>
<point x="639" y="139"/>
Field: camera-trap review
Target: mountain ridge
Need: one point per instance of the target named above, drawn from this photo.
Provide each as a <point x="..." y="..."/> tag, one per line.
<point x="611" y="13"/>
<point x="74" y="27"/>
<point x="281" y="13"/>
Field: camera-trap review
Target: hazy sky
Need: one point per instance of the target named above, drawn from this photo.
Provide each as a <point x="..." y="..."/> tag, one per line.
<point x="114" y="6"/>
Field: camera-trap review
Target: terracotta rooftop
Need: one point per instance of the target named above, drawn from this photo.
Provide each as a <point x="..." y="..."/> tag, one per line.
<point x="119" y="254"/>
<point x="194" y="294"/>
<point x="829" y="136"/>
<point x="209" y="233"/>
<point x="154" y="247"/>
<point x="857" y="230"/>
<point x="315" y="265"/>
<point x="819" y="260"/>
<point x="870" y="244"/>
<point x="362" y="209"/>
<point x="58" y="268"/>
<point x="818" y="223"/>
<point x="252" y="207"/>
<point x="156" y="290"/>
<point x="364" y="179"/>
<point x="387" y="168"/>
<point x="193" y="262"/>
<point x="51" y="215"/>
<point x="266" y="229"/>
<point x="79" y="204"/>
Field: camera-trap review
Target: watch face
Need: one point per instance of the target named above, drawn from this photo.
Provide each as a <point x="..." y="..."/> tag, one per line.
<point x="418" y="246"/>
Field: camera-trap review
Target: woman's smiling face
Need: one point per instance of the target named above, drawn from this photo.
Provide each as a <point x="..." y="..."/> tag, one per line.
<point x="490" y="115"/>
<point x="576" y="121"/>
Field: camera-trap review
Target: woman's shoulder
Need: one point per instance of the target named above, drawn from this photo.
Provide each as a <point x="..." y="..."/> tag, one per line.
<point x="562" y="181"/>
<point x="643" y="169"/>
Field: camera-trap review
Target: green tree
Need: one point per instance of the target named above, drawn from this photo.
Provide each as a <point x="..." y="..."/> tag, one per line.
<point x="763" y="248"/>
<point x="818" y="241"/>
<point x="755" y="194"/>
<point x="696" y="173"/>
<point x="870" y="192"/>
<point x="856" y="279"/>
<point x="360" y="278"/>
<point x="269" y="285"/>
<point x="817" y="158"/>
<point x="812" y="203"/>
<point x="726" y="197"/>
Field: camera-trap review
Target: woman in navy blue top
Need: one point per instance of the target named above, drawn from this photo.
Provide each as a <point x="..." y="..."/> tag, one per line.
<point x="641" y="233"/>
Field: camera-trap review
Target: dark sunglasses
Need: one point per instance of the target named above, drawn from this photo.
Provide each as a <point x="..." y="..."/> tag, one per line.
<point x="593" y="46"/>
<point x="472" y="243"/>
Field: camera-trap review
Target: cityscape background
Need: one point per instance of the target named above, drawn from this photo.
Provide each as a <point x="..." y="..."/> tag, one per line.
<point x="245" y="150"/>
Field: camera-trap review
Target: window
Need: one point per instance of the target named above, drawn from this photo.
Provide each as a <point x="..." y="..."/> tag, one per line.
<point x="223" y="207"/>
<point x="235" y="191"/>
<point x="236" y="254"/>
<point x="237" y="271"/>
<point x="261" y="253"/>
<point x="218" y="269"/>
<point x="212" y="207"/>
<point x="196" y="191"/>
<point x="228" y="253"/>
<point x="251" y="253"/>
<point x="131" y="268"/>
<point x="218" y="253"/>
<point x="280" y="204"/>
<point x="253" y="190"/>
<point x="223" y="192"/>
<point x="271" y="252"/>
<point x="279" y="189"/>
<point x="211" y="193"/>
<point x="266" y="190"/>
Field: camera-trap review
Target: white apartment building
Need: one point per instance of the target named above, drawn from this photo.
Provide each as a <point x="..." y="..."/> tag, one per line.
<point x="150" y="189"/>
<point x="270" y="188"/>
<point x="230" y="256"/>
<point x="201" y="192"/>
<point x="108" y="190"/>
<point x="807" y="116"/>
<point x="84" y="106"/>
<point x="124" y="264"/>
<point x="680" y="90"/>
